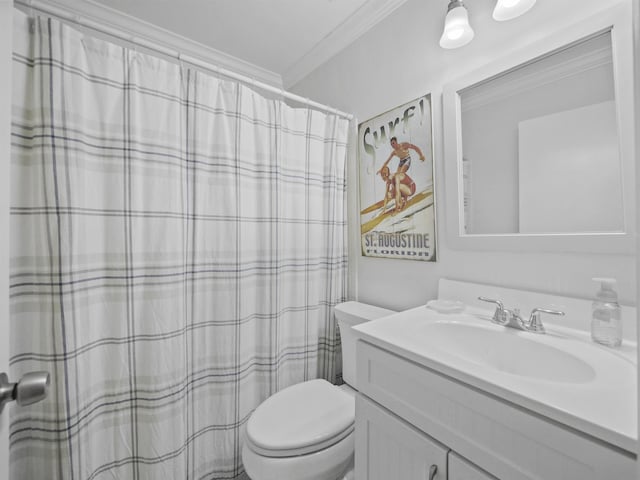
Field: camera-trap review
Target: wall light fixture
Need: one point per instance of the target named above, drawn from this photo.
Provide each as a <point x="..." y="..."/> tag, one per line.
<point x="457" y="30"/>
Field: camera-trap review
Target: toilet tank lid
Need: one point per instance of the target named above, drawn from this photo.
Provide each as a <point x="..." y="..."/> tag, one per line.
<point x="356" y="312"/>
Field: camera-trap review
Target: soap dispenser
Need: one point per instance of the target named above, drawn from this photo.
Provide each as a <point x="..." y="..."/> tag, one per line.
<point x="606" y="321"/>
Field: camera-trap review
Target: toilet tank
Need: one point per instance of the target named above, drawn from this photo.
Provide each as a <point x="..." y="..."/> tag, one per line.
<point x="349" y="314"/>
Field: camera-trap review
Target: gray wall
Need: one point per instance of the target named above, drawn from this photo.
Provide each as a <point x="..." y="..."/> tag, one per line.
<point x="399" y="60"/>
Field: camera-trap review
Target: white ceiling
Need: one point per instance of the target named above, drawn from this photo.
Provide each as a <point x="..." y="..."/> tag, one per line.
<point x="270" y="34"/>
<point x="287" y="38"/>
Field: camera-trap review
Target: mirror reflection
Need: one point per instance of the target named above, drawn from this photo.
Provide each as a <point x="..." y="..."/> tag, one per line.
<point x="540" y="146"/>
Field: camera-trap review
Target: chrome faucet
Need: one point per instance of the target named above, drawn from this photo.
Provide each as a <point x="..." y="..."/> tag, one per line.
<point x="499" y="314"/>
<point x="535" y="323"/>
<point x="511" y="318"/>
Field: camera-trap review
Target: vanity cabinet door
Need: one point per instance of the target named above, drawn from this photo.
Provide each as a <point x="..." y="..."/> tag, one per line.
<point x="461" y="469"/>
<point x="389" y="448"/>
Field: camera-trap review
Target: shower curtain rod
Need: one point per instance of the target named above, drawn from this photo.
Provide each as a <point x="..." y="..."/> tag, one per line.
<point x="120" y="34"/>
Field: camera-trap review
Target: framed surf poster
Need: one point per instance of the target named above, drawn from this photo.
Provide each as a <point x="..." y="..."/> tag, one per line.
<point x="395" y="151"/>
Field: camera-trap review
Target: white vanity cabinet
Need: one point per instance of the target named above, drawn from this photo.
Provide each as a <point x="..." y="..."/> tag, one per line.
<point x="461" y="469"/>
<point x="410" y="417"/>
<point x="389" y="448"/>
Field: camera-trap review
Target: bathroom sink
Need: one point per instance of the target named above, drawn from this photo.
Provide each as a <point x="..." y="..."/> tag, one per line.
<point x="560" y="375"/>
<point x="509" y="351"/>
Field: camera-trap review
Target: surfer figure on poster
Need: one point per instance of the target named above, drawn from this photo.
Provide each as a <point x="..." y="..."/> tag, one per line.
<point x="400" y="187"/>
<point x="401" y="150"/>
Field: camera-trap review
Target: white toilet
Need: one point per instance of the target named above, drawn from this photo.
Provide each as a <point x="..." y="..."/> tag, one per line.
<point x="306" y="431"/>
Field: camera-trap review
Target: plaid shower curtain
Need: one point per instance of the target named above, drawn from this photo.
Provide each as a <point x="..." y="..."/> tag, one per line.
<point x="177" y="244"/>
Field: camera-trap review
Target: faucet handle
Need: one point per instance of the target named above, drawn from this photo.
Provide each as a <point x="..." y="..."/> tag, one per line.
<point x="499" y="315"/>
<point x="535" y="323"/>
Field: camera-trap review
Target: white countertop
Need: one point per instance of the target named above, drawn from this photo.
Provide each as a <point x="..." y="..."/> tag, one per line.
<point x="604" y="407"/>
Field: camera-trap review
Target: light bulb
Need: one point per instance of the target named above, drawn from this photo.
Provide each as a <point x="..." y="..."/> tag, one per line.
<point x="508" y="9"/>
<point x="455" y="34"/>
<point x="457" y="31"/>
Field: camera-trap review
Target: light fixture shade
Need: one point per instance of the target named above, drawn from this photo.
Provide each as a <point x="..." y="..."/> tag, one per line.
<point x="508" y="9"/>
<point x="457" y="31"/>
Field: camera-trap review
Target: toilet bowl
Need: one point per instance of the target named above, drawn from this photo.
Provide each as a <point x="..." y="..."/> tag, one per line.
<point x="306" y="431"/>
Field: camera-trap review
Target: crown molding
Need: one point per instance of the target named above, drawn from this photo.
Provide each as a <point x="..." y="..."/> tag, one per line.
<point x="137" y="29"/>
<point x="356" y="25"/>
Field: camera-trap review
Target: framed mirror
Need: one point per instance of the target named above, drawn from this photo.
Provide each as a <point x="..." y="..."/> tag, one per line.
<point x="539" y="152"/>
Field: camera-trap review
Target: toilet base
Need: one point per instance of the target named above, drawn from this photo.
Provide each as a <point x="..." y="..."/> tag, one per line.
<point x="332" y="463"/>
<point x="349" y="475"/>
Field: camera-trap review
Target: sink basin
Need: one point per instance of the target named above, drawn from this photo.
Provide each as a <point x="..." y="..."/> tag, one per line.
<point x="509" y="351"/>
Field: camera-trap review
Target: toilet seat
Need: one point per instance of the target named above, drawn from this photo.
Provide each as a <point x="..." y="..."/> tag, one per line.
<point x="300" y="420"/>
<point x="292" y="452"/>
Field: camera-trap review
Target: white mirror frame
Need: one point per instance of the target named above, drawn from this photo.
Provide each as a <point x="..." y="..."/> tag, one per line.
<point x="618" y="20"/>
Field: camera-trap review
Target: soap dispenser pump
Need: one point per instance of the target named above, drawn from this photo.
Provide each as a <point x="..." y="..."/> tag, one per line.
<point x="606" y="321"/>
